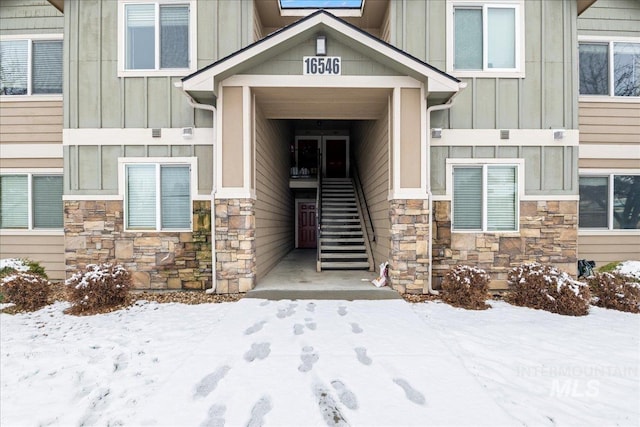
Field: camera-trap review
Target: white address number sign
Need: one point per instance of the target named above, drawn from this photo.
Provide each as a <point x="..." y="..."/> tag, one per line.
<point x="321" y="65"/>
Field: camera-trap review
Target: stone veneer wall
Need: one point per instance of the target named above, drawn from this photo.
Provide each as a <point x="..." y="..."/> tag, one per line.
<point x="235" y="245"/>
<point x="409" y="264"/>
<point x="548" y="234"/>
<point x="94" y="233"/>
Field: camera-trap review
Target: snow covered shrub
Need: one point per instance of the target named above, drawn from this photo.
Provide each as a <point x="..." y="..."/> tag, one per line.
<point x="98" y="286"/>
<point x="467" y="287"/>
<point x="27" y="291"/>
<point x="14" y="265"/>
<point x="546" y="288"/>
<point x="615" y="291"/>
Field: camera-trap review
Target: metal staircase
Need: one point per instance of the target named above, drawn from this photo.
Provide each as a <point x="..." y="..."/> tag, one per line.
<point x="343" y="244"/>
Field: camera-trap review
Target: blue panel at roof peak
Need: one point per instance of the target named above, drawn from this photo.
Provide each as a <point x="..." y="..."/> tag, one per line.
<point x="321" y="4"/>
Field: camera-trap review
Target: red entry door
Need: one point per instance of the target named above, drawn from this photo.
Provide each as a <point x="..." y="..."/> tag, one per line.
<point x="307" y="224"/>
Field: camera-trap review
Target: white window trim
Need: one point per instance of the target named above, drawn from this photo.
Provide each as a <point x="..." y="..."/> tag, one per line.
<point x="30" y="174"/>
<point x="610" y="97"/>
<point x="517" y="163"/>
<point x="609" y="174"/>
<point x="518" y="5"/>
<point x="29" y="96"/>
<point x="123" y="162"/>
<point x="171" y="72"/>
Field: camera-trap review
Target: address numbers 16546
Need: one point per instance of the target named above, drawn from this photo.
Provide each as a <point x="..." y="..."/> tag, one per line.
<point x="321" y="65"/>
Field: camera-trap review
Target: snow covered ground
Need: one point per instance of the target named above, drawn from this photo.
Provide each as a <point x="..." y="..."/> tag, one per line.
<point x="297" y="363"/>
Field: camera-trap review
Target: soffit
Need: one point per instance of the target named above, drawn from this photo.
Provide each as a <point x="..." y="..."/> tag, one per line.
<point x="322" y="104"/>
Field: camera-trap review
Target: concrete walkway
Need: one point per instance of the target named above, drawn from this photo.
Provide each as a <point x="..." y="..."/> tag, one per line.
<point x="295" y="277"/>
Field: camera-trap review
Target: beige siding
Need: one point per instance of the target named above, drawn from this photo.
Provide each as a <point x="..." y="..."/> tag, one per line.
<point x="371" y="148"/>
<point x="31" y="122"/>
<point x="385" y="29"/>
<point x="604" y="249"/>
<point x="47" y="250"/>
<point x="274" y="205"/>
<point x="611" y="18"/>
<point x="609" y="122"/>
<point x="29" y="17"/>
<point x="232" y="134"/>
<point x="258" y="29"/>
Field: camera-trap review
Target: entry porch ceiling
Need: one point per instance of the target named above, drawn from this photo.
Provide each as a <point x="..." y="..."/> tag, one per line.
<point x="322" y="103"/>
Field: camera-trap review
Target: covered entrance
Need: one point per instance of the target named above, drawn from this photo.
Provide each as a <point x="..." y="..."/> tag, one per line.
<point x="267" y="204"/>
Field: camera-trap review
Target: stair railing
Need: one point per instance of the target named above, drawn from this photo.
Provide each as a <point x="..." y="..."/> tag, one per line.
<point x="319" y="212"/>
<point x="368" y="221"/>
<point x="360" y="202"/>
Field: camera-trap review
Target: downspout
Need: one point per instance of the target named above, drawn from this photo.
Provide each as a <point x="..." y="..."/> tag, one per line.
<point x="447" y="105"/>
<point x="213" y="109"/>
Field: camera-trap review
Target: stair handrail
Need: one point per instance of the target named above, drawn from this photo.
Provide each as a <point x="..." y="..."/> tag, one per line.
<point x="358" y="184"/>
<point x="360" y="200"/>
<point x="318" y="211"/>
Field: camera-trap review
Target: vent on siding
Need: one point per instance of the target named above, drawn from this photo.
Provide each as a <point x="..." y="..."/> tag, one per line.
<point x="187" y="133"/>
<point x="156" y="133"/>
<point x="504" y="134"/>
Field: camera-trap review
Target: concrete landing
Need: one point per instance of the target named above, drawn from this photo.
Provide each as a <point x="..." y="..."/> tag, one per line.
<point x="295" y="277"/>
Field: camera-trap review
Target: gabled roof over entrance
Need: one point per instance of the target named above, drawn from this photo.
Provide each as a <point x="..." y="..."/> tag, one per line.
<point x="203" y="84"/>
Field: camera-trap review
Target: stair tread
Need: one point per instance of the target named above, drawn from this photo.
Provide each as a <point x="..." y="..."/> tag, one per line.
<point x="341" y="240"/>
<point x="346" y="265"/>
<point x="343" y="256"/>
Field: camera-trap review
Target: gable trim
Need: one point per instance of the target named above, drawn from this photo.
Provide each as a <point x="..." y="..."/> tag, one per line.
<point x="201" y="78"/>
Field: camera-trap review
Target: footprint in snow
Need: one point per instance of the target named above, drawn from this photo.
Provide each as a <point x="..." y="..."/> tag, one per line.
<point x="258" y="351"/>
<point x="289" y="311"/>
<point x="342" y="310"/>
<point x="120" y="362"/>
<point x="329" y="408"/>
<point x="355" y="328"/>
<point x="311" y="307"/>
<point x="345" y="395"/>
<point x="361" y="352"/>
<point x="298" y="329"/>
<point x="215" y="416"/>
<point x="254" y="328"/>
<point x="259" y="410"/>
<point x="210" y="382"/>
<point x="265" y="302"/>
<point x="311" y="325"/>
<point x="411" y="393"/>
<point x="309" y="358"/>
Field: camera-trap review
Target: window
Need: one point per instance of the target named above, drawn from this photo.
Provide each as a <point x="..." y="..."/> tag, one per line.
<point x="156" y="37"/>
<point x="485" y="37"/>
<point x="485" y="198"/>
<point x="30" y="201"/>
<point x="610" y="202"/>
<point x="158" y="197"/>
<point x="609" y="68"/>
<point x="30" y="66"/>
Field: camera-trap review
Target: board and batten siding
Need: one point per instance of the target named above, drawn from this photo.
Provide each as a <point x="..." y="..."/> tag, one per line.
<point x="29" y="17"/>
<point x="611" y="18"/>
<point x="97" y="98"/>
<point x="545" y="98"/>
<point x="48" y="250"/>
<point x="604" y="249"/>
<point x="30" y="122"/>
<point x="371" y="149"/>
<point x="274" y="207"/>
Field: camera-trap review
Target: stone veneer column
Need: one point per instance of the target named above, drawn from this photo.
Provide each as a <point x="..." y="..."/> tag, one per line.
<point x="409" y="266"/>
<point x="235" y="245"/>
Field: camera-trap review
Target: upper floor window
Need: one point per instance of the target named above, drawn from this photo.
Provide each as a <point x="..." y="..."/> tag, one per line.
<point x="485" y="198"/>
<point x="610" y="202"/>
<point x="31" y="201"/>
<point x="485" y="37"/>
<point x="31" y="66"/>
<point x="157" y="37"/>
<point x="321" y="4"/>
<point x="609" y="68"/>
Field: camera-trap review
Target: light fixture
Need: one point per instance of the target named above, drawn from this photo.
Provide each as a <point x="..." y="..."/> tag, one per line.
<point x="558" y="134"/>
<point x="436" y="133"/>
<point x="321" y="45"/>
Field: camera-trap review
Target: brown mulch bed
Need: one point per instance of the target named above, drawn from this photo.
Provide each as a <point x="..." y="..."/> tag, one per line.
<point x="58" y="293"/>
